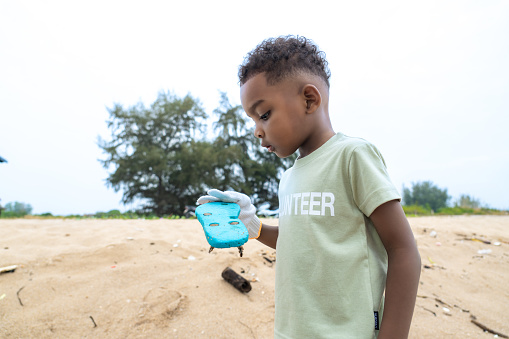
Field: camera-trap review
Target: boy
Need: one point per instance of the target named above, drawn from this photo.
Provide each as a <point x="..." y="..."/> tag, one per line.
<point x="342" y="237"/>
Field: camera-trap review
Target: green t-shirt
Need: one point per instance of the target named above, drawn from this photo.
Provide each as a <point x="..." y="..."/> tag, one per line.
<point x="331" y="263"/>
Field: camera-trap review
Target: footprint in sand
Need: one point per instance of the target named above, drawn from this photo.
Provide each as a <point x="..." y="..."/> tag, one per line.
<point x="160" y="304"/>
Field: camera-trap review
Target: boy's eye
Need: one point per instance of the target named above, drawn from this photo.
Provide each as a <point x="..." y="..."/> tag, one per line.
<point x="265" y="116"/>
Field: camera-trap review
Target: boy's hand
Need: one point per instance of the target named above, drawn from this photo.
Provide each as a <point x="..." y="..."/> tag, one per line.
<point x="247" y="209"/>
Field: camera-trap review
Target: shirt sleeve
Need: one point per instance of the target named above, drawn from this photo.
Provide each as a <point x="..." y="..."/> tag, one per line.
<point x="369" y="180"/>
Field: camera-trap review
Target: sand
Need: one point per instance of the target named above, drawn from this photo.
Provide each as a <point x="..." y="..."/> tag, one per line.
<point x="155" y="279"/>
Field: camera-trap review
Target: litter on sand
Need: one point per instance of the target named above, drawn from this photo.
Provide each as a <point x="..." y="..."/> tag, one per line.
<point x="8" y="269"/>
<point x="236" y="280"/>
<point x="485" y="251"/>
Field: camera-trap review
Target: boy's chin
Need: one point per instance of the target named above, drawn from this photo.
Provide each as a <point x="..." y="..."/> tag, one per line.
<point x="281" y="155"/>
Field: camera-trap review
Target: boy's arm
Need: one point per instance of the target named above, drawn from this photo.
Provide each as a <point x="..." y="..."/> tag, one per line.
<point x="268" y="235"/>
<point x="403" y="271"/>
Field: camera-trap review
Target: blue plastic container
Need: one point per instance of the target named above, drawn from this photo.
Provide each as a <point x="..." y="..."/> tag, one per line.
<point x="221" y="223"/>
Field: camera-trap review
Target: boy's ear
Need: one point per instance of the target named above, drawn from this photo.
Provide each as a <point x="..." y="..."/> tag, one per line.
<point x="312" y="98"/>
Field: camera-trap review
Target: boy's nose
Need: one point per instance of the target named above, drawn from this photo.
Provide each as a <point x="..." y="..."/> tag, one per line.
<point x="258" y="132"/>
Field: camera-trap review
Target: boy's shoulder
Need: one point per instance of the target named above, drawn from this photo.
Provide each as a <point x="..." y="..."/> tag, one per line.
<point x="352" y="143"/>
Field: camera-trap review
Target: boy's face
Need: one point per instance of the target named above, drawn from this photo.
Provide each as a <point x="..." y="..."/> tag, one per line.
<point x="279" y="112"/>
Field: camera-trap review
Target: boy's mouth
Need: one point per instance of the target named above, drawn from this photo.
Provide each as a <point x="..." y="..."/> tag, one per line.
<point x="269" y="148"/>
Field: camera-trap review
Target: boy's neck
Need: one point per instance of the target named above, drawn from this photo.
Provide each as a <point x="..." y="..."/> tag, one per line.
<point x="316" y="140"/>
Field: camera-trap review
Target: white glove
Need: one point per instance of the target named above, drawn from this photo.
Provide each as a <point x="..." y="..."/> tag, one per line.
<point x="247" y="210"/>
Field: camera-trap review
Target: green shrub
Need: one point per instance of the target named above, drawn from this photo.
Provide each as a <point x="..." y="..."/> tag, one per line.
<point x="16" y="210"/>
<point x="416" y="210"/>
<point x="456" y="210"/>
<point x="47" y="214"/>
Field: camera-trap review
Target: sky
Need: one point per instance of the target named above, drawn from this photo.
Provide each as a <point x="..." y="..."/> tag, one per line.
<point x="426" y="81"/>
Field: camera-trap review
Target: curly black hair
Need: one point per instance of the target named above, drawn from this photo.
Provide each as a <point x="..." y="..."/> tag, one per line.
<point x="282" y="57"/>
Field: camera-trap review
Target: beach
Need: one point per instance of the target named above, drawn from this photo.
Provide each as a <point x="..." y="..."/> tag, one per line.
<point x="93" y="278"/>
